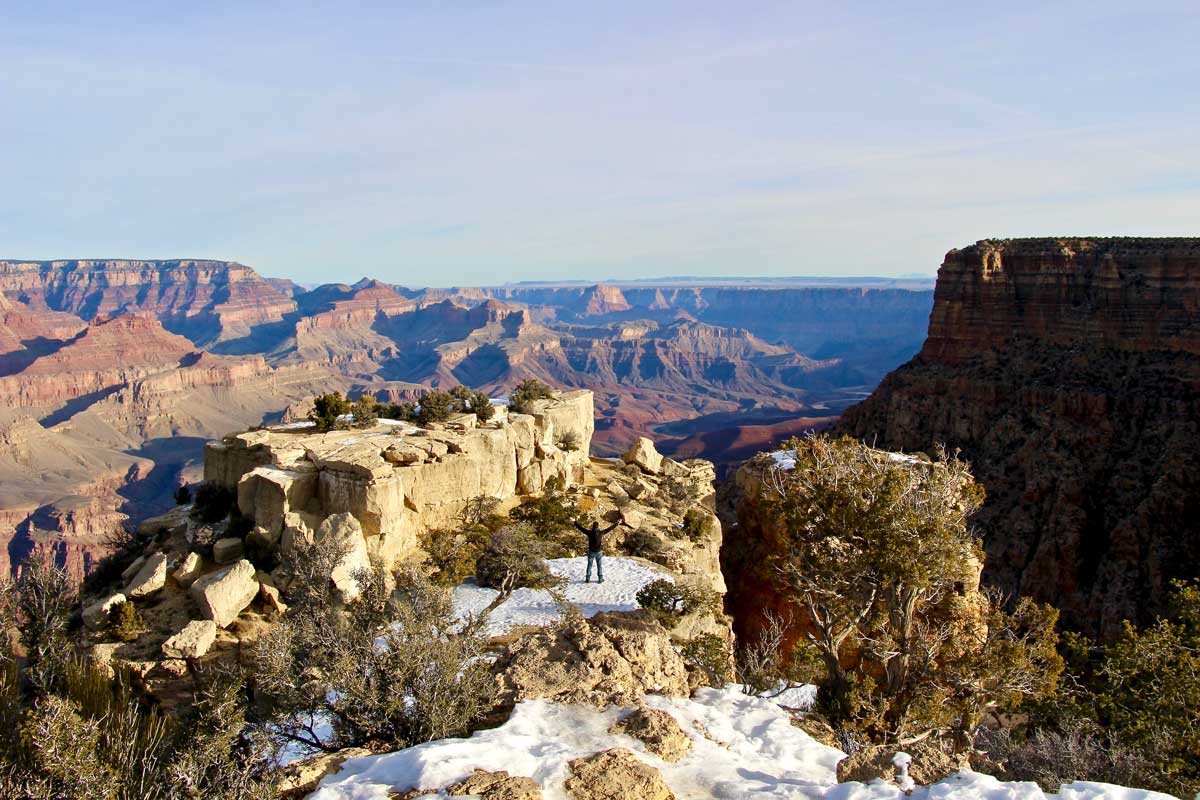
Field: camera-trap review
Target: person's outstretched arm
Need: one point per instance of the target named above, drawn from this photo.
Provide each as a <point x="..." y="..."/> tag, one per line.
<point x="611" y="527"/>
<point x="580" y="528"/>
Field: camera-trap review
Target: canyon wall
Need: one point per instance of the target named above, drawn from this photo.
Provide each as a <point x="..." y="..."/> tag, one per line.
<point x="1067" y="372"/>
<point x="206" y="301"/>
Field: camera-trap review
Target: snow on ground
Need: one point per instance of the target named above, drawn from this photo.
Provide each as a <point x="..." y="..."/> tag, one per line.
<point x="623" y="577"/>
<point x="741" y="747"/>
<point x="750" y="749"/>
<point x="294" y="426"/>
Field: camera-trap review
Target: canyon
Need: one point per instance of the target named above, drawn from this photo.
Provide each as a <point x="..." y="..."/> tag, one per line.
<point x="1066" y="371"/>
<point x="113" y="373"/>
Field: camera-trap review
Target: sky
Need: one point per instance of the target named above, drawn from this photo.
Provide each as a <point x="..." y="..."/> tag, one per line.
<point x="458" y="143"/>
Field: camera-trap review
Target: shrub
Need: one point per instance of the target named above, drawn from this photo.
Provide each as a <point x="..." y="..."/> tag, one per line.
<point x="436" y="406"/>
<point x="679" y="495"/>
<point x="528" y="390"/>
<point x="327" y="408"/>
<point x="873" y="545"/>
<point x="454" y="554"/>
<point x="645" y="544"/>
<point x="551" y="518"/>
<point x="514" y="558"/>
<point x="481" y="406"/>
<point x="696" y="524"/>
<point x="568" y="441"/>
<point x="391" y="670"/>
<point x="708" y="653"/>
<point x="84" y="734"/>
<point x="125" y="623"/>
<point x="364" y="411"/>
<point x="183" y="495"/>
<point x="406" y="411"/>
<point x="668" y="600"/>
<point x="213" y="503"/>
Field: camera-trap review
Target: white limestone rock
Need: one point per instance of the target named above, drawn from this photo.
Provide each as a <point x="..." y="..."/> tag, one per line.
<point x="224" y="594"/>
<point x="193" y="641"/>
<point x="150" y="578"/>
<point x="97" y="614"/>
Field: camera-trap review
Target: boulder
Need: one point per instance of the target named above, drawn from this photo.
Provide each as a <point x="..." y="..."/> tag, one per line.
<point x="497" y="785"/>
<point x="638" y="489"/>
<point x="188" y="570"/>
<point x="631" y="517"/>
<point x="150" y="578"/>
<point x="932" y="760"/>
<point x="346" y="528"/>
<point x="97" y="614"/>
<point x="613" y="774"/>
<point x="223" y="594"/>
<point x="300" y="778"/>
<point x="271" y="599"/>
<point x="228" y="550"/>
<point x="658" y="730"/>
<point x="193" y="641"/>
<point x="128" y="573"/>
<point x="643" y="455"/>
<point x="611" y="659"/>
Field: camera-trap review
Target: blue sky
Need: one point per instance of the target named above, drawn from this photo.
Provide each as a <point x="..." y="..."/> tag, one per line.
<point x="464" y="143"/>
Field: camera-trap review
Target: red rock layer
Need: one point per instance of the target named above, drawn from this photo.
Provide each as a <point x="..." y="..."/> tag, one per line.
<point x="206" y="301"/>
<point x="1068" y="372"/>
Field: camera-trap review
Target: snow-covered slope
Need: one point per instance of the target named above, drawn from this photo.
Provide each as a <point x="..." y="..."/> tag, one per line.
<point x="741" y="747"/>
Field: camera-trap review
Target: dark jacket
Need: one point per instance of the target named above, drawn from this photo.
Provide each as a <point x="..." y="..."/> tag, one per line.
<point x="595" y="535"/>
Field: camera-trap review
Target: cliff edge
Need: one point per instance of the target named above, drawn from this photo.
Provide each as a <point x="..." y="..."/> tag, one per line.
<point x="1067" y="371"/>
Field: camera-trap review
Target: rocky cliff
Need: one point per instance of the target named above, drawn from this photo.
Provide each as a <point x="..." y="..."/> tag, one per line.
<point x="396" y="480"/>
<point x="1067" y="371"/>
<point x="206" y="301"/>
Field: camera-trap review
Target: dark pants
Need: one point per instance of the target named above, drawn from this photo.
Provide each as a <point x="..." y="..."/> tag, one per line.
<point x="596" y="557"/>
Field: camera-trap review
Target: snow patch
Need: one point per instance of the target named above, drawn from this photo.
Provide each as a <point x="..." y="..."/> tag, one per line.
<point x="623" y="578"/>
<point x="741" y="746"/>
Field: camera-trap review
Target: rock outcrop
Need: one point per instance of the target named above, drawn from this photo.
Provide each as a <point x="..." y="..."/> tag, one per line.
<point x="396" y="481"/>
<point x="609" y="659"/>
<point x="1068" y="372"/>
<point x="615" y="773"/>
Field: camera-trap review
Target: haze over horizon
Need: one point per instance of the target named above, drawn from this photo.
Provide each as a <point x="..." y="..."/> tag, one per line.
<point x="518" y="142"/>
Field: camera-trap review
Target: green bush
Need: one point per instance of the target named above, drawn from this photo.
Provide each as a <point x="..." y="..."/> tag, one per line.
<point x="668" y="600"/>
<point x="454" y="554"/>
<point x="481" y="406"/>
<point x="514" y="558"/>
<point x="645" y="544"/>
<point x="364" y="411"/>
<point x="327" y="408"/>
<point x="551" y="517"/>
<point x="709" y="654"/>
<point x="568" y="441"/>
<point x="696" y="524"/>
<point x="125" y="623"/>
<point x="436" y="406"/>
<point x="390" y="670"/>
<point x="213" y="503"/>
<point x="68" y="730"/>
<point x="528" y="390"/>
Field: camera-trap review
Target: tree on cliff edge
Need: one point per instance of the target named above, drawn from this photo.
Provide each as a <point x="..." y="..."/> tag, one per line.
<point x="881" y="561"/>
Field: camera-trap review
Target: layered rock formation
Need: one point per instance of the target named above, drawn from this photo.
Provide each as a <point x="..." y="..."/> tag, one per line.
<point x="137" y="363"/>
<point x="206" y="301"/>
<point x="395" y="480"/>
<point x="1067" y="371"/>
